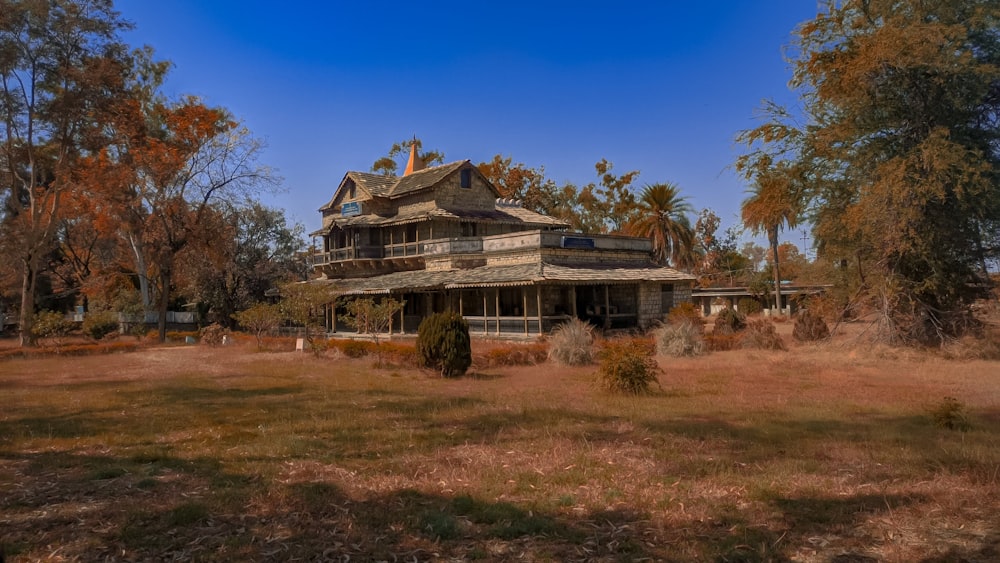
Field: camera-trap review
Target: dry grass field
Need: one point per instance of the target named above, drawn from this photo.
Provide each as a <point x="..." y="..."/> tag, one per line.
<point x="818" y="453"/>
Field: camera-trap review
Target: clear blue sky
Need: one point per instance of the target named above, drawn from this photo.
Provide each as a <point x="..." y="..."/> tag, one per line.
<point x="658" y="86"/>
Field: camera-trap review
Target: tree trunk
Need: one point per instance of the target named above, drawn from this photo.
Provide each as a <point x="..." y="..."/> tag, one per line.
<point x="140" y="268"/>
<point x="161" y="321"/>
<point x="28" y="302"/>
<point x="772" y="237"/>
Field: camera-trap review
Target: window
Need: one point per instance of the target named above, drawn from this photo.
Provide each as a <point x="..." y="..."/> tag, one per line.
<point x="351" y="193"/>
<point x="466" y="178"/>
<point x="468" y="229"/>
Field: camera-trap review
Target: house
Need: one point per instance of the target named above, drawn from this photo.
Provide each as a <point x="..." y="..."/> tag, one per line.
<point x="441" y="238"/>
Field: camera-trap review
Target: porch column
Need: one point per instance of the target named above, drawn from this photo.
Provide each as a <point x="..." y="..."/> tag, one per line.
<point x="538" y="298"/>
<point x="524" y="298"/>
<point x="402" y="319"/>
<point x="486" y="317"/>
<point x="333" y="315"/>
<point x="496" y="296"/>
<point x="461" y="309"/>
<point x="572" y="299"/>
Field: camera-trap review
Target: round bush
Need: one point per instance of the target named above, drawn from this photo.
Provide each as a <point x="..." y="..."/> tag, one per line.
<point x="98" y="324"/>
<point x="679" y="339"/>
<point x="443" y="343"/>
<point x="729" y="321"/>
<point x="628" y="367"/>
<point x="809" y="327"/>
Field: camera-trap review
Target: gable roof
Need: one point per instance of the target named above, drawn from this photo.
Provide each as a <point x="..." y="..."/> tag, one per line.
<point x="422" y="179"/>
<point x="378" y="185"/>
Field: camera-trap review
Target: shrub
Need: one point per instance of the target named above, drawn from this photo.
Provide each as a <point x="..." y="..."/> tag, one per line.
<point x="760" y="334"/>
<point x="809" y="327"/>
<point x="213" y="334"/>
<point x="98" y="324"/>
<point x="260" y="319"/>
<point x="400" y="354"/>
<point x="515" y="355"/>
<point x="749" y="306"/>
<point x="686" y="311"/>
<point x="683" y="338"/>
<point x="572" y="343"/>
<point x="729" y="321"/>
<point x="627" y="366"/>
<point x="354" y="348"/>
<point x="950" y="414"/>
<point x="51" y="324"/>
<point x="722" y="342"/>
<point x="443" y="343"/>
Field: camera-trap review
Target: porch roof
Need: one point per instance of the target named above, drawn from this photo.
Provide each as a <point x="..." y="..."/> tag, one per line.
<point x="509" y="276"/>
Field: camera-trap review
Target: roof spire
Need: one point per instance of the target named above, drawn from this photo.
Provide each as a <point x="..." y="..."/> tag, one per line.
<point x="415" y="163"/>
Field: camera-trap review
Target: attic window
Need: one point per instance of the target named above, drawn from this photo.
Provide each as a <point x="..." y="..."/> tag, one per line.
<point x="466" y="178"/>
<point x="351" y="190"/>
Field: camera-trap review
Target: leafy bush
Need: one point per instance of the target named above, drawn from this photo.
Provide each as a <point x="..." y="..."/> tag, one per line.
<point x="98" y="324"/>
<point x="749" y="306"/>
<point x="213" y="334"/>
<point x="760" y="334"/>
<point x="354" y="348"/>
<point x="260" y="319"/>
<point x="686" y="311"/>
<point x="627" y="366"/>
<point x="71" y="350"/>
<point x="572" y="343"/>
<point x="400" y="354"/>
<point x="809" y="327"/>
<point x="51" y="324"/>
<point x="950" y="414"/>
<point x="729" y="321"/>
<point x="682" y="338"/>
<point x="443" y="343"/>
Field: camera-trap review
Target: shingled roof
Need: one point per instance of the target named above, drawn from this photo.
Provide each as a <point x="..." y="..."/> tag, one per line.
<point x="422" y="179"/>
<point x="509" y="276"/>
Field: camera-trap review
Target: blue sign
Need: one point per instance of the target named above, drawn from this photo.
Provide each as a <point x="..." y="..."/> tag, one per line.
<point x="577" y="242"/>
<point x="350" y="209"/>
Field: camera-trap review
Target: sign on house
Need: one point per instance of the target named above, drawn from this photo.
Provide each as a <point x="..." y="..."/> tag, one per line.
<point x="350" y="209"/>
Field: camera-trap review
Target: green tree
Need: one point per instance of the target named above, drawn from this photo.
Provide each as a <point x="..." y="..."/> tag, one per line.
<point x="389" y="164"/>
<point x="304" y="305"/>
<point x="260" y="319"/>
<point x="662" y="217"/>
<point x="60" y="64"/>
<point x="256" y="250"/>
<point x="898" y="155"/>
<point x="771" y="207"/>
<point x="373" y="318"/>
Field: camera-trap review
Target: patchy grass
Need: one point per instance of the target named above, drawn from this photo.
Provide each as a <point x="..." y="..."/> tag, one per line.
<point x="227" y="454"/>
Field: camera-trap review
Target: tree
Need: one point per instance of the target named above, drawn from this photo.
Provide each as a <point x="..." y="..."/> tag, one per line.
<point x="387" y="165"/>
<point x="256" y="250"/>
<point x="304" y="305"/>
<point x="373" y="318"/>
<point x="260" y="319"/>
<point x="900" y="150"/>
<point x="518" y="181"/>
<point x="60" y="63"/>
<point x="662" y="217"/>
<point x="770" y="208"/>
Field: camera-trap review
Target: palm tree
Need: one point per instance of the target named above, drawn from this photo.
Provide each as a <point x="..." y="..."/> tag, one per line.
<point x="663" y="218"/>
<point x="771" y="207"/>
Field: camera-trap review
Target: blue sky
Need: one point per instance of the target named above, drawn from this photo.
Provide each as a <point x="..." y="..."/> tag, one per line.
<point x="658" y="86"/>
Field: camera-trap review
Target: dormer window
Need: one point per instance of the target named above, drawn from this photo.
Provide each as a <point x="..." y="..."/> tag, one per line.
<point x="466" y="178"/>
<point x="351" y="192"/>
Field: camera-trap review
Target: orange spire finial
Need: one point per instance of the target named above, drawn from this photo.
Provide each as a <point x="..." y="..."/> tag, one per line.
<point x="415" y="163"/>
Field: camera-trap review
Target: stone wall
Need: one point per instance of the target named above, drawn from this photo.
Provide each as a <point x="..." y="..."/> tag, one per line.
<point x="649" y="304"/>
<point x="450" y="194"/>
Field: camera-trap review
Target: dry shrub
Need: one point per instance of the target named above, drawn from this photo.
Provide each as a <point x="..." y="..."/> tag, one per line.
<point x="213" y="334"/>
<point x="354" y="348"/>
<point x="400" y="354"/>
<point x="686" y="311"/>
<point x="627" y="366"/>
<point x="176" y="335"/>
<point x="810" y="327"/>
<point x="749" y="306"/>
<point x="679" y="339"/>
<point x="572" y="343"/>
<point x="514" y="355"/>
<point x="760" y="334"/>
<point x="722" y="342"/>
<point x="950" y="414"/>
<point x="984" y="346"/>
<point x="267" y="343"/>
<point x="729" y="321"/>
<point x="112" y="347"/>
